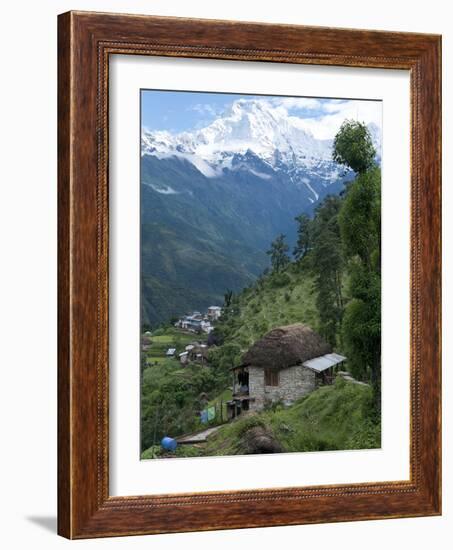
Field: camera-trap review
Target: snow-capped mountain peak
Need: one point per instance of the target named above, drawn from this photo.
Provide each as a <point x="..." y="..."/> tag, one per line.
<point x="247" y="126"/>
<point x="258" y="138"/>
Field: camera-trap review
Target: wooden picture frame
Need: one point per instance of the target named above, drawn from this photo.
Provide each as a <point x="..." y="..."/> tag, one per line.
<point x="85" y="42"/>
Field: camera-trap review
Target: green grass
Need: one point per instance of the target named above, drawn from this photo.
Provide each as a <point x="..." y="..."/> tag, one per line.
<point x="156" y="360"/>
<point x="183" y="451"/>
<point x="333" y="417"/>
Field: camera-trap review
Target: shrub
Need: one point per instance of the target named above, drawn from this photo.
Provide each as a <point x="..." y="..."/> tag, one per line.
<point x="279" y="280"/>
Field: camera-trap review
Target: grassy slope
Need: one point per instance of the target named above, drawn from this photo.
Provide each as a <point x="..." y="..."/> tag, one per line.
<point x="331" y="418"/>
<point x="280" y="299"/>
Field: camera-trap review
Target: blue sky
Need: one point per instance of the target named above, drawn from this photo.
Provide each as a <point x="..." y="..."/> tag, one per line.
<point x="180" y="111"/>
<point x="177" y="111"/>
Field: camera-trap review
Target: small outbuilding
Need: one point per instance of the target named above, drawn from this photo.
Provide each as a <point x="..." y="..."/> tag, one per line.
<point x="286" y="364"/>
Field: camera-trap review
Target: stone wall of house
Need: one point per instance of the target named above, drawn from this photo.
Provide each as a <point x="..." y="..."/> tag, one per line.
<point x="256" y="388"/>
<point x="294" y="382"/>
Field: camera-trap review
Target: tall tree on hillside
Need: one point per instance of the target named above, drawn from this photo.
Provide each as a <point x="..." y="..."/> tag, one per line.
<point x="353" y="146"/>
<point x="227" y="298"/>
<point x="279" y="253"/>
<point x="304" y="230"/>
<point x="327" y="265"/>
<point x="360" y="224"/>
<point x="360" y="227"/>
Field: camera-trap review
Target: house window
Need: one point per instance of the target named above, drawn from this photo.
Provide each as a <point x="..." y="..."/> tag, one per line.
<point x="270" y="377"/>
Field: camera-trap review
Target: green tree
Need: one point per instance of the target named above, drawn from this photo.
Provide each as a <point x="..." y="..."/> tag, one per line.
<point x="227" y="298"/>
<point x="360" y="219"/>
<point x="353" y="146"/>
<point x="360" y="225"/>
<point x="360" y="229"/>
<point x="303" y="236"/>
<point x="279" y="253"/>
<point x="327" y="264"/>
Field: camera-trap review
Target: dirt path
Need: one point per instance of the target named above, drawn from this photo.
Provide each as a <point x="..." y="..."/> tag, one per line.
<point x="349" y="378"/>
<point x="197" y="437"/>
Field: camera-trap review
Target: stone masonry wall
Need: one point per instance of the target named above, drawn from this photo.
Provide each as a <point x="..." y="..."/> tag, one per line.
<point x="294" y="382"/>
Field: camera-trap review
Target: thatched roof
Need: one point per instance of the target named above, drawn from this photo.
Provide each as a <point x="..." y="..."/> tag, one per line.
<point x="285" y="347"/>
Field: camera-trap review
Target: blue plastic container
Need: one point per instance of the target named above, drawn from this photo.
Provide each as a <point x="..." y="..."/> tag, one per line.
<point x="169" y="444"/>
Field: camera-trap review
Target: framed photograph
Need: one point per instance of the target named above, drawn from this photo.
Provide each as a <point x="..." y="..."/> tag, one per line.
<point x="249" y="275"/>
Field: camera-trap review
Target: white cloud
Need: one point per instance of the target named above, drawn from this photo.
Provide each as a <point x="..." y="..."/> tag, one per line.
<point x="308" y="103"/>
<point x="203" y="109"/>
<point x="326" y="125"/>
<point x="327" y="115"/>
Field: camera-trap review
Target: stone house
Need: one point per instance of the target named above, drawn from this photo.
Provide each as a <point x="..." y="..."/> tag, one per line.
<point x="286" y="364"/>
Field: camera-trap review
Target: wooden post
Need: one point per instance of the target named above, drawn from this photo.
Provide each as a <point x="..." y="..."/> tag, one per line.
<point x="155" y="429"/>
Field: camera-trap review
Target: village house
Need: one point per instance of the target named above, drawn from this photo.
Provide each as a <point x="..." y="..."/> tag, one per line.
<point x="214" y="313"/>
<point x="199" y="353"/>
<point x="206" y="326"/>
<point x="286" y="364"/>
<point x="195" y="352"/>
<point x="190" y="322"/>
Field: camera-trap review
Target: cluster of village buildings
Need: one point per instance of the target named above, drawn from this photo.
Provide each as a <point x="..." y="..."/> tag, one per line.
<point x="198" y="322"/>
<point x="195" y="351"/>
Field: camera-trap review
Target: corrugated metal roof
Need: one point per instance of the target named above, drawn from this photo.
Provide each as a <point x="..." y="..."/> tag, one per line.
<point x="324" y="362"/>
<point x="336" y="357"/>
